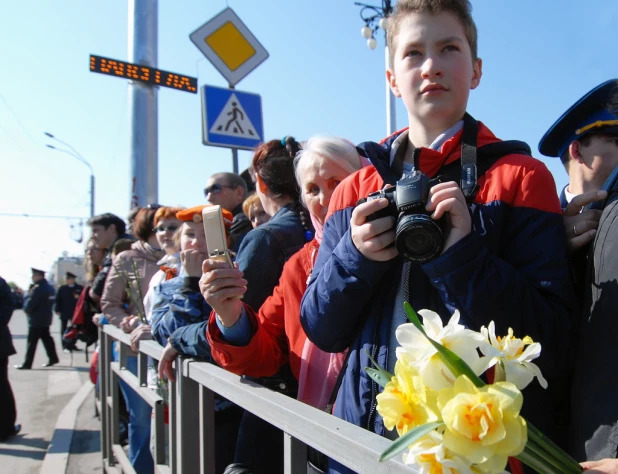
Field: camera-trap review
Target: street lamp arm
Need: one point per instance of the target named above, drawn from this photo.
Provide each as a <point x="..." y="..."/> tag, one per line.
<point x="73" y="149"/>
<point x="74" y="154"/>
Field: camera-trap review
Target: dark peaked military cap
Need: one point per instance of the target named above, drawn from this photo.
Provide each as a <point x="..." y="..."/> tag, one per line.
<point x="590" y="114"/>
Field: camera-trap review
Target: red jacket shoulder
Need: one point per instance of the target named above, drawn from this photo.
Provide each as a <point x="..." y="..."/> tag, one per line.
<point x="356" y="186"/>
<point x="521" y="181"/>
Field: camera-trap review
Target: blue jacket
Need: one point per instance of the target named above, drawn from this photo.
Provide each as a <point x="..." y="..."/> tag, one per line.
<point x="511" y="269"/>
<point x="179" y="305"/>
<point x="39" y="304"/>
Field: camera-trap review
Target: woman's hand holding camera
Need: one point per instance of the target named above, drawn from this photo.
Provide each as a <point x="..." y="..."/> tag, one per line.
<point x="448" y="197"/>
<point x="373" y="239"/>
<point x="192" y="262"/>
<point x="222" y="287"/>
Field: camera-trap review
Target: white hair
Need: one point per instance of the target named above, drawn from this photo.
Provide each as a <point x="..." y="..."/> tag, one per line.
<point x="338" y="150"/>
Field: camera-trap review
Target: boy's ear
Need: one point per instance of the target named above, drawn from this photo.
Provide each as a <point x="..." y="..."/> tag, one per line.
<point x="477" y="72"/>
<point x="392" y="81"/>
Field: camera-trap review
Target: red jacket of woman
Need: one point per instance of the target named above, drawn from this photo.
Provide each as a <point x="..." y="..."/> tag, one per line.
<point x="278" y="336"/>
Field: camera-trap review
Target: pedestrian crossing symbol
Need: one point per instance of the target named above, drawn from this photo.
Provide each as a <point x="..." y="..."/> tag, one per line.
<point x="233" y="121"/>
<point x="231" y="118"/>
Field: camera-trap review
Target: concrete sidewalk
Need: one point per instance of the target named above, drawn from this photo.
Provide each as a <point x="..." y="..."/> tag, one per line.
<point x="85" y="452"/>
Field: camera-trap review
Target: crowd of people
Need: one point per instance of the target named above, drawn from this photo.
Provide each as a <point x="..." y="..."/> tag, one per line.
<point x="320" y="274"/>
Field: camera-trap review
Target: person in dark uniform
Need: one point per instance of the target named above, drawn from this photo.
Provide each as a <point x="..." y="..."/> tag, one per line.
<point x="588" y="133"/>
<point x="38" y="307"/>
<point x="584" y="138"/>
<point x="8" y="412"/>
<point x="66" y="299"/>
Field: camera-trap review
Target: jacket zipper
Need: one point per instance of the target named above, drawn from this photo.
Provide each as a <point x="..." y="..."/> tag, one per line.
<point x="374" y="385"/>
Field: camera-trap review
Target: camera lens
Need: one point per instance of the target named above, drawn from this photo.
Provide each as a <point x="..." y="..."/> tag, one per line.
<point x="418" y="238"/>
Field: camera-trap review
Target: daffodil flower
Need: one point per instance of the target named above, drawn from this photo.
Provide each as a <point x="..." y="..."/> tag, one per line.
<point x="418" y="351"/>
<point x="483" y="424"/>
<point x="515" y="355"/>
<point x="430" y="456"/>
<point x="405" y="403"/>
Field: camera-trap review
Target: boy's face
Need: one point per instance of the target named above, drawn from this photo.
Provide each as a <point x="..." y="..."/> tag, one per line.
<point x="432" y="69"/>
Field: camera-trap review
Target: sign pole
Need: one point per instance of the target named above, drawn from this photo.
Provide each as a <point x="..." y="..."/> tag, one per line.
<point x="143" y="110"/>
<point x="234" y="152"/>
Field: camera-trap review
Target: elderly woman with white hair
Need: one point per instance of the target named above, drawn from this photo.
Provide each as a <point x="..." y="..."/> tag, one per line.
<point x="257" y="344"/>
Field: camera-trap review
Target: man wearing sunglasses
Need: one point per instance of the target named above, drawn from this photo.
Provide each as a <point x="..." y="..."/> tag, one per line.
<point x="229" y="191"/>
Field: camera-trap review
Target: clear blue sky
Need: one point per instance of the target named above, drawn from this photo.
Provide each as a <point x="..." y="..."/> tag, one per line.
<point x="539" y="57"/>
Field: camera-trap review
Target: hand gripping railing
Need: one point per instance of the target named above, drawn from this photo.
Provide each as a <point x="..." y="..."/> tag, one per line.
<point x="191" y="435"/>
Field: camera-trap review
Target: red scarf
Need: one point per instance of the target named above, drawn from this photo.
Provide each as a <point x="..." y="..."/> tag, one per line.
<point x="170" y="272"/>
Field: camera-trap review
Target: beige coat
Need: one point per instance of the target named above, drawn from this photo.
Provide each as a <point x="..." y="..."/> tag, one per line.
<point x="142" y="258"/>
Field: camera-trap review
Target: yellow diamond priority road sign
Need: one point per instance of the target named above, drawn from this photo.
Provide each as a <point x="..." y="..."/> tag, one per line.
<point x="229" y="45"/>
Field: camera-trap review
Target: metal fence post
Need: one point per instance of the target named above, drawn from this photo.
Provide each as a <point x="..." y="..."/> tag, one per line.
<point x="142" y="369"/>
<point x="173" y="426"/>
<point x="188" y="428"/>
<point x="294" y="455"/>
<point x="207" y="430"/>
<point x="103" y="368"/>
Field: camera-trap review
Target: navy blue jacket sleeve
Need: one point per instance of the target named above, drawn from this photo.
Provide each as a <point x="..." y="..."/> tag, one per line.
<point x="6" y="304"/>
<point x="526" y="287"/>
<point x="191" y="341"/>
<point x="342" y="283"/>
<point x="186" y="306"/>
<point x="261" y="259"/>
<point x="35" y="298"/>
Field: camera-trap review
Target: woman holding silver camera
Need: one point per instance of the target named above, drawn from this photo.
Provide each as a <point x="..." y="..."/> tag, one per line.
<point x="254" y="343"/>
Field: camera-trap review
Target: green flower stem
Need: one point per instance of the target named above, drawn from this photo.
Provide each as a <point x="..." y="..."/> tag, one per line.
<point x="537" y="463"/>
<point x="540" y="452"/>
<point x="554" y="450"/>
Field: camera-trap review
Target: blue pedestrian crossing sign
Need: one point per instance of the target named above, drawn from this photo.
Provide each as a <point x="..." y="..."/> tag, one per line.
<point x="231" y="118"/>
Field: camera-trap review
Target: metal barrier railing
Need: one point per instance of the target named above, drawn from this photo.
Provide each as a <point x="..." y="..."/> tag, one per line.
<point x="191" y="422"/>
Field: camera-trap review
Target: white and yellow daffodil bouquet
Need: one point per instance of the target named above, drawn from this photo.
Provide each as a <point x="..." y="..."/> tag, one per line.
<point x="448" y="420"/>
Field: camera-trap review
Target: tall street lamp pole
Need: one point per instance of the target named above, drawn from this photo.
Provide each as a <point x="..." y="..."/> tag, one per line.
<point x="375" y="18"/>
<point x="75" y="154"/>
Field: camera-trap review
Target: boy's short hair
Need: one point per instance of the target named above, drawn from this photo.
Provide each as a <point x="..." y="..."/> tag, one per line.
<point x="108" y="219"/>
<point x="462" y="9"/>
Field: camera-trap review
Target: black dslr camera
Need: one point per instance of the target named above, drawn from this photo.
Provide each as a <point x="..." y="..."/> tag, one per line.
<point x="418" y="237"/>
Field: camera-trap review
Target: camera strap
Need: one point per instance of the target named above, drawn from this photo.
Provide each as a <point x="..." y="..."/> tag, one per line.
<point x="475" y="161"/>
<point x="469" y="170"/>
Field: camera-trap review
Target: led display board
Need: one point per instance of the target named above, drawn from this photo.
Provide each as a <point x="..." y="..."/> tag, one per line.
<point x="136" y="72"/>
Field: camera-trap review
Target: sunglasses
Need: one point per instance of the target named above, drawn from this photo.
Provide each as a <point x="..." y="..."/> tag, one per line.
<point x="160" y="229"/>
<point x="216" y="189"/>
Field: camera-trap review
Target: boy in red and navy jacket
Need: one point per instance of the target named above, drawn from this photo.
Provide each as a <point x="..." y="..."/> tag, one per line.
<point x="503" y="257"/>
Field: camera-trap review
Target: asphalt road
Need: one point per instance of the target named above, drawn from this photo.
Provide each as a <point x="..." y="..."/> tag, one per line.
<point x="41" y="394"/>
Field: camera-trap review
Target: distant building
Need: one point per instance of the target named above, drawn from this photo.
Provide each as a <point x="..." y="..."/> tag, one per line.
<point x="65" y="264"/>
